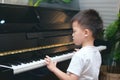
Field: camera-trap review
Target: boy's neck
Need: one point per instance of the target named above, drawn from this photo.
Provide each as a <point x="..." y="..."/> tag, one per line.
<point x="88" y="43"/>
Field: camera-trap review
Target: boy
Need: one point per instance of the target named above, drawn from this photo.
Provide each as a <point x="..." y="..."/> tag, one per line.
<point x="86" y="62"/>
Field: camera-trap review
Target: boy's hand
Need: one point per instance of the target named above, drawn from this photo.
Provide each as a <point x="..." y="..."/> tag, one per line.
<point x="51" y="65"/>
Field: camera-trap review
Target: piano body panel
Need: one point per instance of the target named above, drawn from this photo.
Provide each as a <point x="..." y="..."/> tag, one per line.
<point x="6" y="73"/>
<point x="31" y="33"/>
<point x="23" y="40"/>
<point x="34" y="19"/>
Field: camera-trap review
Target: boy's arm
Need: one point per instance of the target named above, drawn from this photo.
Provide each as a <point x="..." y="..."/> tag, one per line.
<point x="60" y="74"/>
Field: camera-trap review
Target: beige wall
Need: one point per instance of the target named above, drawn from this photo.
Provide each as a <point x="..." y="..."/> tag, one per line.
<point x="108" y="9"/>
<point x="19" y="2"/>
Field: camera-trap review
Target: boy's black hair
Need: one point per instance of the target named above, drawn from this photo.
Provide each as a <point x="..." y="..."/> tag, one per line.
<point x="90" y="19"/>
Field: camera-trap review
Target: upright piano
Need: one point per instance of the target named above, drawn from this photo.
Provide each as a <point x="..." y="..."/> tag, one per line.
<point x="27" y="35"/>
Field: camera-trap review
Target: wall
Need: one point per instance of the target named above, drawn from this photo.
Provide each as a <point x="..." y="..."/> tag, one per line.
<point x="108" y="9"/>
<point x="19" y="2"/>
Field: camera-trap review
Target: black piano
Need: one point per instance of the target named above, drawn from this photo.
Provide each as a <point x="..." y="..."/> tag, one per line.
<point x="27" y="35"/>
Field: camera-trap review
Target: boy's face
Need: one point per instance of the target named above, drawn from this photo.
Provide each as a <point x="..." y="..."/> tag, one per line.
<point x="78" y="33"/>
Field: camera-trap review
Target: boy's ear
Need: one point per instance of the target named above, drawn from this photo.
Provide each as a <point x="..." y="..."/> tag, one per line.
<point x="86" y="32"/>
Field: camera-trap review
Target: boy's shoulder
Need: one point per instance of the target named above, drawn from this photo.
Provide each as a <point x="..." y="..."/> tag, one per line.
<point x="88" y="50"/>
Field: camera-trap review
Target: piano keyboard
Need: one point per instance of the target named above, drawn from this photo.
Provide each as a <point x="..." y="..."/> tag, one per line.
<point x="36" y="64"/>
<point x="40" y="63"/>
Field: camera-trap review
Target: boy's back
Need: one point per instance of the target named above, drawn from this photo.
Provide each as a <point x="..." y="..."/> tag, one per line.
<point x="87" y="62"/>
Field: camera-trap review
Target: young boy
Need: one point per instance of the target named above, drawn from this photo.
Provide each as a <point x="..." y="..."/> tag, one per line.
<point x="86" y="62"/>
